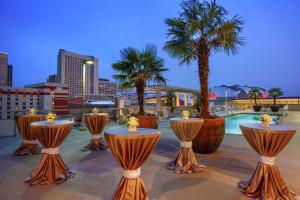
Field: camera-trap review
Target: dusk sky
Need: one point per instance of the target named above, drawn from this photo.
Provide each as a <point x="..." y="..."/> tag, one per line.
<point x="32" y="31"/>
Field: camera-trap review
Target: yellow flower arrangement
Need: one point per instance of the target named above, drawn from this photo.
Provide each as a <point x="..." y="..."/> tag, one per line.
<point x="95" y="111"/>
<point x="51" y="117"/>
<point x="132" y="124"/>
<point x="185" y="114"/>
<point x="32" y="111"/>
<point x="266" y="119"/>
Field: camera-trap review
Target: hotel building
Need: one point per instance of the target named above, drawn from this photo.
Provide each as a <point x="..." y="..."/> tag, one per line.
<point x="41" y="96"/>
<point x="107" y="90"/>
<point x="70" y="72"/>
<point x="59" y="94"/>
<point x="6" y="70"/>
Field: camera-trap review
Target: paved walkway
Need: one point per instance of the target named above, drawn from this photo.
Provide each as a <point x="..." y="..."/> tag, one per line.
<point x="98" y="173"/>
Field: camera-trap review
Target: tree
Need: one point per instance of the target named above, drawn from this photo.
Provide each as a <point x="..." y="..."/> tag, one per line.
<point x="170" y="100"/>
<point x="275" y="93"/>
<point x="200" y="29"/>
<point x="255" y="93"/>
<point x="197" y="104"/>
<point x="137" y="67"/>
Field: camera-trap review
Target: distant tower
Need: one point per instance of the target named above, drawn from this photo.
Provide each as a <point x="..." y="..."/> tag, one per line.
<point x="52" y="78"/>
<point x="70" y="71"/>
<point x="9" y="75"/>
<point x="6" y="70"/>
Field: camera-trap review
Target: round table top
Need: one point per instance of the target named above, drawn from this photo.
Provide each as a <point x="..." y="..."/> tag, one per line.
<point x="139" y="132"/>
<point x="273" y="127"/>
<point x="98" y="114"/>
<point x="56" y="123"/>
<point x="182" y="119"/>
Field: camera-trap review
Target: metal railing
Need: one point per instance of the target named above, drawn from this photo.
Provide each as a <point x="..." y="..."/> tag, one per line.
<point x="116" y="115"/>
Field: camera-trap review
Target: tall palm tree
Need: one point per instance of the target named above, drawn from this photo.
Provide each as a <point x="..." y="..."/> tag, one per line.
<point x="137" y="67"/>
<point x="170" y="100"/>
<point x="275" y="93"/>
<point x="200" y="29"/>
<point x="255" y="93"/>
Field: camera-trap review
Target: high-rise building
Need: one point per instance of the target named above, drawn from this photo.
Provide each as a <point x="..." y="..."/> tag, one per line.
<point x="107" y="89"/>
<point x="6" y="71"/>
<point x="70" y="72"/>
<point x="3" y="68"/>
<point x="52" y="78"/>
<point x="9" y="75"/>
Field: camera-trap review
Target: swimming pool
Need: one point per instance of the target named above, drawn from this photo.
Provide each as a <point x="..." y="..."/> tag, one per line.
<point x="232" y="122"/>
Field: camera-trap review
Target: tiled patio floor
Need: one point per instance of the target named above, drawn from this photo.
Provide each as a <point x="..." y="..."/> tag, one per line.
<point x="98" y="173"/>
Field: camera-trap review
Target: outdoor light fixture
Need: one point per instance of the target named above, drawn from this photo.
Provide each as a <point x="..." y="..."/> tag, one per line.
<point x="89" y="62"/>
<point x="226" y="96"/>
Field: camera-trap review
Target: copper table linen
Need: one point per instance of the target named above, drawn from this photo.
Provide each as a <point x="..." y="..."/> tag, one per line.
<point x="95" y="123"/>
<point x="51" y="168"/>
<point x="29" y="144"/>
<point x="186" y="130"/>
<point x="131" y="150"/>
<point x="266" y="181"/>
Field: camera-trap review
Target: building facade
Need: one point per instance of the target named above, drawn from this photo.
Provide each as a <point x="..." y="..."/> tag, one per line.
<point x="22" y="99"/>
<point x="107" y="90"/>
<point x="52" y="78"/>
<point x="6" y="71"/>
<point x="59" y="94"/>
<point x="70" y="72"/>
<point x="41" y="96"/>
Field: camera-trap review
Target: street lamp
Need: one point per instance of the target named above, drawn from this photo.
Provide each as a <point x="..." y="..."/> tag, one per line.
<point x="226" y="95"/>
<point x="89" y="62"/>
<point x="237" y="94"/>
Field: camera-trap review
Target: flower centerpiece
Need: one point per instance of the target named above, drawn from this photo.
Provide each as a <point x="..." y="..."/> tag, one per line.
<point x="51" y="118"/>
<point x="266" y="119"/>
<point x="132" y="124"/>
<point x="95" y="111"/>
<point x="32" y="111"/>
<point x="185" y="114"/>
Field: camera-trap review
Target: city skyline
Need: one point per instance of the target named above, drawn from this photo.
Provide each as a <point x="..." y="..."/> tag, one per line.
<point x="33" y="36"/>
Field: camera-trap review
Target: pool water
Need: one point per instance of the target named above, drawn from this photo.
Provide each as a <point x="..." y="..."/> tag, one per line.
<point x="232" y="123"/>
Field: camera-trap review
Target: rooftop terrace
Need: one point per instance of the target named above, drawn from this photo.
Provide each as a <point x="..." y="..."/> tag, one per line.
<point x="98" y="173"/>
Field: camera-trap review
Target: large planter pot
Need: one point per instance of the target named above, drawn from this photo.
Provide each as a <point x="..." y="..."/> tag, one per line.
<point x="257" y="108"/>
<point x="210" y="136"/>
<point x="148" y="122"/>
<point x="275" y="108"/>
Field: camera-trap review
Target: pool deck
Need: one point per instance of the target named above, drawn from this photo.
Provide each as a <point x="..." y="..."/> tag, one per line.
<point x="98" y="173"/>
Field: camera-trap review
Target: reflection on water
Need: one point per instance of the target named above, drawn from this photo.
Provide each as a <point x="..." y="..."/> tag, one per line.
<point x="233" y="122"/>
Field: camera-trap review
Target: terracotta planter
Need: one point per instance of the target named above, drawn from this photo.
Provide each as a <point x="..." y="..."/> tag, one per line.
<point x="275" y="108"/>
<point x="257" y="108"/>
<point x="148" y="122"/>
<point x="210" y="136"/>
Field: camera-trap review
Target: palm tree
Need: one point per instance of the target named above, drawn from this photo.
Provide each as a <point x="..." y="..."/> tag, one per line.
<point x="137" y="67"/>
<point x="255" y="93"/>
<point x="170" y="100"/>
<point x="200" y="29"/>
<point x="275" y="93"/>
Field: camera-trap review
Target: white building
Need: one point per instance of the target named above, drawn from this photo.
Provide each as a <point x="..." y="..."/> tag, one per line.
<point x="22" y="99"/>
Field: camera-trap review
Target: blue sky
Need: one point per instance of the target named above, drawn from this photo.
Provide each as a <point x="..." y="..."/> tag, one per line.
<point x="32" y="31"/>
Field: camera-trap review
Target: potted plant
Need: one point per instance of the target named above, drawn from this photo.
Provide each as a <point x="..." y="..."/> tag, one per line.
<point x="255" y="93"/>
<point x="200" y="29"/>
<point x="170" y="100"/>
<point x="135" y="69"/>
<point x="275" y="93"/>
